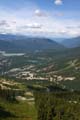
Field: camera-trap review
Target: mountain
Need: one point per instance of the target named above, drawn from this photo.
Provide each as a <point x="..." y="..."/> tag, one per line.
<point x="7" y="45"/>
<point x="71" y="43"/>
<point x="34" y="44"/>
<point x="9" y="37"/>
<point x="24" y="43"/>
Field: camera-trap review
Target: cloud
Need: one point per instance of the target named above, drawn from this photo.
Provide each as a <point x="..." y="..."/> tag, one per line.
<point x="49" y="27"/>
<point x="59" y="14"/>
<point x="34" y="23"/>
<point x="39" y="13"/>
<point x="32" y="26"/>
<point x="58" y="2"/>
<point x="4" y="23"/>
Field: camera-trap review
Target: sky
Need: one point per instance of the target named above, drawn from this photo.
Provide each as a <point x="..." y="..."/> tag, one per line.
<point x="49" y="18"/>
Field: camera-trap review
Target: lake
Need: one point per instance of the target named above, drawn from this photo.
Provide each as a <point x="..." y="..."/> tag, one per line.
<point x="11" y="54"/>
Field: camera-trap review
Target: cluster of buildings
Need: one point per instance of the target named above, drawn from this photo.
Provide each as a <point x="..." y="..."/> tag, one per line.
<point x="61" y="78"/>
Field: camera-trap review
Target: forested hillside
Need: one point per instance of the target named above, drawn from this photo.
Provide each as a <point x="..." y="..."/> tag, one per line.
<point x="58" y="106"/>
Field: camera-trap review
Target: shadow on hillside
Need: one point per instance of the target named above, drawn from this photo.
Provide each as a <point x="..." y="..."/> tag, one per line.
<point x="5" y="114"/>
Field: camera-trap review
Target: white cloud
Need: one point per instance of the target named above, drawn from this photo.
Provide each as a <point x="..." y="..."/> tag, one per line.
<point x="39" y="13"/>
<point x="26" y="22"/>
<point x="58" y="2"/>
<point x="32" y="26"/>
<point x="59" y="14"/>
<point x="42" y="27"/>
<point x="4" y="23"/>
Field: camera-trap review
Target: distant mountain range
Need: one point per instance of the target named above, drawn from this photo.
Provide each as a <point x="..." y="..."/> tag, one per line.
<point x="71" y="43"/>
<point x="7" y="45"/>
<point x="23" y="43"/>
<point x="10" y="37"/>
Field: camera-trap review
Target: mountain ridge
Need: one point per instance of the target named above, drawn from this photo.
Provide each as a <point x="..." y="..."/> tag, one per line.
<point x="24" y="43"/>
<point x="72" y="42"/>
